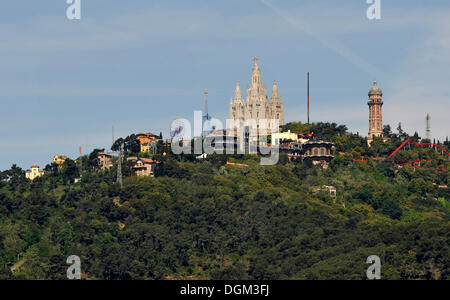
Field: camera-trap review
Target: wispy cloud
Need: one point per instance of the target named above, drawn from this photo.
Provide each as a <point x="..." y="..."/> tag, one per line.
<point x="307" y="29"/>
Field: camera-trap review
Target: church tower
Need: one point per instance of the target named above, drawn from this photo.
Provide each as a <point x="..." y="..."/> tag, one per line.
<point x="276" y="105"/>
<point x="375" y="112"/>
<point x="237" y="105"/>
<point x="256" y="105"/>
<point x="257" y="100"/>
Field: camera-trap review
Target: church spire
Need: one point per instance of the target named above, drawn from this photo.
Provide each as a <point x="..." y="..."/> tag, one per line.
<point x="256" y="84"/>
<point x="237" y="92"/>
<point x="275" y="95"/>
<point x="255" y="60"/>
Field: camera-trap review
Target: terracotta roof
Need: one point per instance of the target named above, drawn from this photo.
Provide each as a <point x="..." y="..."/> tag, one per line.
<point x="148" y="160"/>
<point x="105" y="154"/>
<point x="146" y="134"/>
<point x="318" y="142"/>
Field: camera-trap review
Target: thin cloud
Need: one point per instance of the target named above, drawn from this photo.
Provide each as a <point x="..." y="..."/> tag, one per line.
<point x="338" y="49"/>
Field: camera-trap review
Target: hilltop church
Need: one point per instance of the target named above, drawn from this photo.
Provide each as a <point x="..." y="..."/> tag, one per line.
<point x="256" y="106"/>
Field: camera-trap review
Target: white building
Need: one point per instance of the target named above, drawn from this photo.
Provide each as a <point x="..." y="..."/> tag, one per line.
<point x="256" y="106"/>
<point x="34" y="172"/>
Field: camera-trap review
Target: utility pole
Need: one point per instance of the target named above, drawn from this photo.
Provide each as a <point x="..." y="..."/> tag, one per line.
<point x="428" y="129"/>
<point x="119" y="166"/>
<point x="81" y="163"/>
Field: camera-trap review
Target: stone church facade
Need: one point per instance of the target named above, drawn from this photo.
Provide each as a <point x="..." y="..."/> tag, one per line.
<point x="256" y="105"/>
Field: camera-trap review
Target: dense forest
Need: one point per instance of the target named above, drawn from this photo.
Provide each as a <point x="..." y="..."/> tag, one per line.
<point x="204" y="219"/>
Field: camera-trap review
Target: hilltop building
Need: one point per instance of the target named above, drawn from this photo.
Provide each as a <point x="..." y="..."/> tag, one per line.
<point x="34" y="172"/>
<point x="319" y="151"/>
<point x="256" y="106"/>
<point x="375" y="113"/>
<point x="104" y="161"/>
<point x="288" y="136"/>
<point x="59" y="160"/>
<point x="143" y="166"/>
<point x="147" y="140"/>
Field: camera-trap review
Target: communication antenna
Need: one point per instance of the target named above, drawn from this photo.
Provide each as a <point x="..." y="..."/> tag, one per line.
<point x="428" y="129"/>
<point x="206" y="117"/>
<point x="308" y="94"/>
<point x="119" y="166"/>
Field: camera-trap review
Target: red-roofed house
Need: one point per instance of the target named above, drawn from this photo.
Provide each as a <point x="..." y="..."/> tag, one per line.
<point x="146" y="140"/>
<point x="34" y="172"/>
<point x="143" y="166"/>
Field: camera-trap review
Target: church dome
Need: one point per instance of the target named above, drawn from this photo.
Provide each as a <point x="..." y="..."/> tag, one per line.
<point x="375" y="90"/>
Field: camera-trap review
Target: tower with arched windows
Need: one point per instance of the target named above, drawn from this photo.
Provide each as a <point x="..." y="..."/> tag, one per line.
<point x="375" y="112"/>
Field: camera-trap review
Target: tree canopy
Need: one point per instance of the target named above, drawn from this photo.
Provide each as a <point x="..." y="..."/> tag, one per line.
<point x="204" y="219"/>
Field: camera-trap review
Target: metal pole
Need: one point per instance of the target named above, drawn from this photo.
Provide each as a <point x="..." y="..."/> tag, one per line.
<point x="308" y="96"/>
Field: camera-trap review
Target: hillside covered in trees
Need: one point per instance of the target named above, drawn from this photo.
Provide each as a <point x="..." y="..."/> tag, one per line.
<point x="204" y="219"/>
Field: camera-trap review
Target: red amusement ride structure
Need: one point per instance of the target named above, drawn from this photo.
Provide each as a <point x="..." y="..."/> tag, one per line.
<point x="416" y="163"/>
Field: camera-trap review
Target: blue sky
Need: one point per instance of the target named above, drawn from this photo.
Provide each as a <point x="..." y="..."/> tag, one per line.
<point x="138" y="65"/>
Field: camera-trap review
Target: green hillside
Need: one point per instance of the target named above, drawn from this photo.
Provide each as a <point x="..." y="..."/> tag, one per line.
<point x="209" y="220"/>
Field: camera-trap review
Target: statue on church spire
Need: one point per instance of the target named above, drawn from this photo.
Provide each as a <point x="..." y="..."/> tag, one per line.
<point x="237" y="92"/>
<point x="275" y="95"/>
<point x="256" y="85"/>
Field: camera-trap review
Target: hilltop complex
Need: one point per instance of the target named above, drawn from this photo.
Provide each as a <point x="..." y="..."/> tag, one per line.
<point x="256" y="106"/>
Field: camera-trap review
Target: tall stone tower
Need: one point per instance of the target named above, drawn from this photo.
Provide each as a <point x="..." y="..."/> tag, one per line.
<point x="256" y="105"/>
<point x="375" y="112"/>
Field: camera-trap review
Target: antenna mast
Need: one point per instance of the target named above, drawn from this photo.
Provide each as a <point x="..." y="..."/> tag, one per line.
<point x="206" y="105"/>
<point x="206" y="117"/>
<point x="308" y="94"/>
